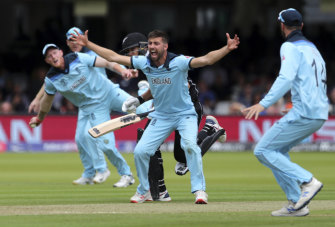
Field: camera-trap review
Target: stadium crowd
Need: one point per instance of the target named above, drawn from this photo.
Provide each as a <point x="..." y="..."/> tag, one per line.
<point x="226" y="87"/>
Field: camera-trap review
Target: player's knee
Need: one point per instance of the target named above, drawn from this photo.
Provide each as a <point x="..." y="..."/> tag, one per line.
<point x="139" y="152"/>
<point x="190" y="146"/>
<point x="259" y="149"/>
<point x="79" y="137"/>
<point x="266" y="156"/>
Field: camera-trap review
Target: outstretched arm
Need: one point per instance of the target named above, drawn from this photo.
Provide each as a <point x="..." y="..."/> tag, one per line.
<point x="46" y="103"/>
<point x="216" y="55"/>
<point x="115" y="67"/>
<point x="107" y="54"/>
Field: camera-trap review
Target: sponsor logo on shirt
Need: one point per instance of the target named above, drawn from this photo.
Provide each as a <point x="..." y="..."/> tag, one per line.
<point x="78" y="82"/>
<point x="161" y="81"/>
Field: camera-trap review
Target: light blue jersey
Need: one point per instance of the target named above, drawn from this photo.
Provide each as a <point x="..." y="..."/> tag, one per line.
<point x="99" y="70"/>
<point x="168" y="85"/>
<point x="79" y="82"/>
<point x="303" y="71"/>
<point x="174" y="110"/>
<point x="95" y="96"/>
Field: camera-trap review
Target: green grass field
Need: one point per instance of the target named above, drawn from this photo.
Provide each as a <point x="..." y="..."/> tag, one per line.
<point x="36" y="190"/>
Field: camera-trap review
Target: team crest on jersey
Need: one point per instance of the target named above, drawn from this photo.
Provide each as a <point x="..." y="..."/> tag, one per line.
<point x="78" y="70"/>
<point x="161" y="81"/>
<point x="63" y="82"/>
<point x="283" y="58"/>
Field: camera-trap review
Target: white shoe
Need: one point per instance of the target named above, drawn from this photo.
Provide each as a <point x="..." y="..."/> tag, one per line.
<point x="212" y="122"/>
<point x="125" y="181"/>
<point x="181" y="168"/>
<point x="308" y="191"/>
<point x="201" y="197"/>
<point x="83" y="181"/>
<point x="289" y="211"/>
<point x="101" y="177"/>
<point x="138" y="198"/>
<point x="164" y="197"/>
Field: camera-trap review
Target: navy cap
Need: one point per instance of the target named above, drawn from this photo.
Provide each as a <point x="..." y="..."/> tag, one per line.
<point x="47" y="47"/>
<point x="290" y="17"/>
<point x="72" y="31"/>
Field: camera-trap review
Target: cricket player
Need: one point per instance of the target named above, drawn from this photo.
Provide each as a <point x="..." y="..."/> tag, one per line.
<point x="302" y="71"/>
<point x="167" y="76"/>
<point x="89" y="175"/>
<point x="135" y="44"/>
<point x="75" y="77"/>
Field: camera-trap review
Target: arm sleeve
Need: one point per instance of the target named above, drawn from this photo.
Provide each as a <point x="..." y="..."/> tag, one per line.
<point x="49" y="87"/>
<point x="138" y="62"/>
<point x="290" y="58"/>
<point x="89" y="60"/>
<point x="184" y="62"/>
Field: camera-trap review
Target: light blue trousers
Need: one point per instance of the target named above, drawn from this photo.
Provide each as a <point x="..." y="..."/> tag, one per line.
<point x="92" y="150"/>
<point x="272" y="151"/>
<point x="155" y="134"/>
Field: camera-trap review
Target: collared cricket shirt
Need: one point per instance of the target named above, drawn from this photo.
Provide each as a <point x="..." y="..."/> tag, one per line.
<point x="303" y="70"/>
<point x="168" y="84"/>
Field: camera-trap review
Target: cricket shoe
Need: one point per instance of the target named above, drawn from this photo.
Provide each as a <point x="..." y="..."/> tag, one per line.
<point x="308" y="191"/>
<point x="125" y="181"/>
<point x="138" y="198"/>
<point x="164" y="196"/>
<point x="211" y="122"/>
<point x="289" y="211"/>
<point x="181" y="168"/>
<point x="201" y="197"/>
<point x="83" y="181"/>
<point x="101" y="177"/>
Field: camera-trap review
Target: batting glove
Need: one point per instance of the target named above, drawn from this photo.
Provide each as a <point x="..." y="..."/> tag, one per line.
<point x="130" y="105"/>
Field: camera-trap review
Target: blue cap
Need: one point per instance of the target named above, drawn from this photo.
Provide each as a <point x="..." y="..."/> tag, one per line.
<point x="48" y="46"/>
<point x="72" y="31"/>
<point x="290" y="17"/>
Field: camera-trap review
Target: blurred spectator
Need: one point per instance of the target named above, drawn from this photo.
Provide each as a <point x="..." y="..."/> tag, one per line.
<point x="245" y="97"/>
<point x="206" y="97"/>
<point x="224" y="88"/>
<point x="18" y="99"/>
<point x="235" y="108"/>
<point x="6" y="108"/>
<point x="275" y="109"/>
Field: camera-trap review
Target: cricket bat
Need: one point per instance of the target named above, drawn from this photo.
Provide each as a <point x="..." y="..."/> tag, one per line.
<point x="117" y="123"/>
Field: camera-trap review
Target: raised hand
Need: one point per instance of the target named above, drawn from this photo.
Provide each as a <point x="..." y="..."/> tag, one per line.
<point x="79" y="38"/>
<point x="232" y="44"/>
<point x="129" y="73"/>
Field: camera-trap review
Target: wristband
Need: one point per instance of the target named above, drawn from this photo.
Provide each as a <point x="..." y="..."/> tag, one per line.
<point x="140" y="98"/>
<point x="38" y="120"/>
